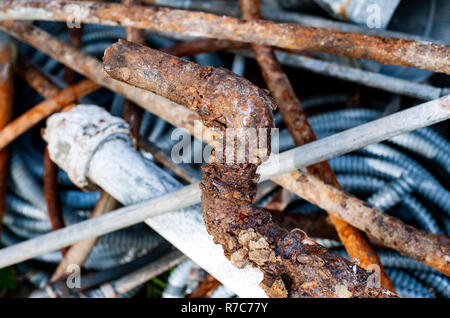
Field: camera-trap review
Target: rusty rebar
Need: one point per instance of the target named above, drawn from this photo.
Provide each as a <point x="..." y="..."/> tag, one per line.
<point x="355" y="242"/>
<point x="75" y="41"/>
<point x="431" y="249"/>
<point x="247" y="234"/>
<point x="8" y="52"/>
<point x="425" y="55"/>
<point x="44" y="109"/>
<point x="185" y="172"/>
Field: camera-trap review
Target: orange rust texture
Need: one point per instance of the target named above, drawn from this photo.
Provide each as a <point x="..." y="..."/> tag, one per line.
<point x="355" y="242"/>
<point x="44" y="109"/>
<point x="131" y="112"/>
<point x="425" y="55"/>
<point x="293" y="264"/>
<point x="205" y="288"/>
<point x="39" y="81"/>
<point x="7" y="58"/>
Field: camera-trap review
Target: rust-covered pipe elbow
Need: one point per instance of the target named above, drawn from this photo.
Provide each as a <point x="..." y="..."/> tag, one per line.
<point x="293" y="265"/>
<point x="222" y="98"/>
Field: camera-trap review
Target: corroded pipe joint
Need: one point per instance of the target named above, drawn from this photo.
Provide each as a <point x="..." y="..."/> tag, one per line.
<point x="293" y="265"/>
<point x="221" y="98"/>
<point x="73" y="137"/>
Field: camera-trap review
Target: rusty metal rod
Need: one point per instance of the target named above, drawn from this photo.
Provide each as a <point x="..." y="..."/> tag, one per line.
<point x="206" y="287"/>
<point x="75" y="41"/>
<point x="44" y="109"/>
<point x="8" y="52"/>
<point x="355" y="242"/>
<point x="127" y="62"/>
<point x="280" y="200"/>
<point x="185" y="172"/>
<point x="425" y="55"/>
<point x="231" y="8"/>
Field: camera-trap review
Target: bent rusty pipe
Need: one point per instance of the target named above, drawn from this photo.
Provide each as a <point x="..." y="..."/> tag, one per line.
<point x="293" y="264"/>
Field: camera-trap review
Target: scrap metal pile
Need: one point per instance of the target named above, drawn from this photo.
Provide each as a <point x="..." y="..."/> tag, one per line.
<point x="348" y="197"/>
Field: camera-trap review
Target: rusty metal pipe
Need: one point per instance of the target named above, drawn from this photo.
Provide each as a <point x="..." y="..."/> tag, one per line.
<point x="355" y="242"/>
<point x="247" y="234"/>
<point x="355" y="138"/>
<point x="36" y="78"/>
<point x="425" y="55"/>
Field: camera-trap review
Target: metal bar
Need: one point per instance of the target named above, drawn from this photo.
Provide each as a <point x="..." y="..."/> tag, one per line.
<point x="431" y="56"/>
<point x="355" y="242"/>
